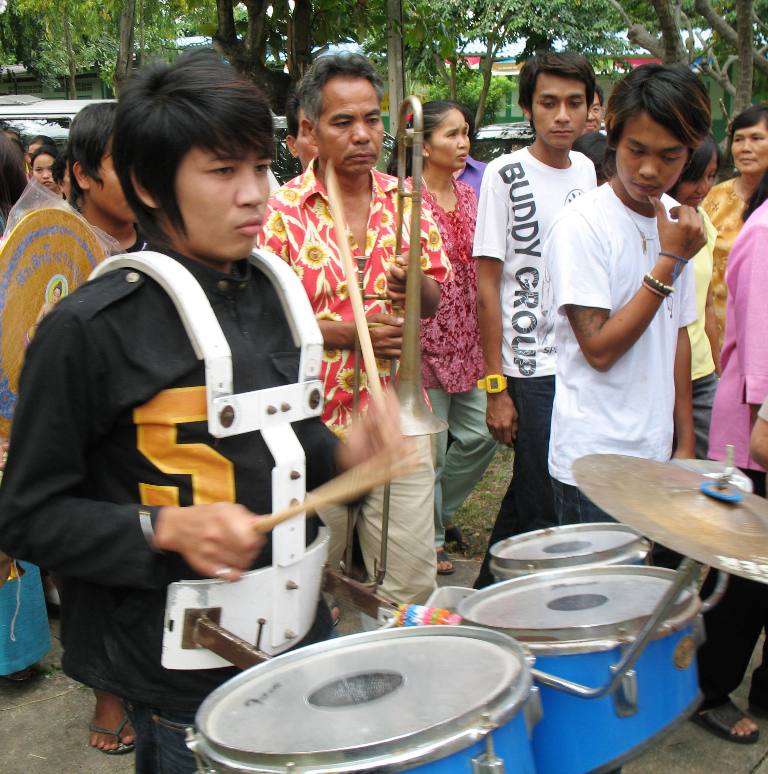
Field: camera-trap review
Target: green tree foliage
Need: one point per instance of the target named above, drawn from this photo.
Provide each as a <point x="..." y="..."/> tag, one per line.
<point x="469" y="84"/>
<point x="55" y="39"/>
<point x="438" y="32"/>
<point x="726" y="39"/>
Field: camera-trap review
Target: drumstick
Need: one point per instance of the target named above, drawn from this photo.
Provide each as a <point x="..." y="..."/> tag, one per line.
<point x="378" y="470"/>
<point x="350" y="272"/>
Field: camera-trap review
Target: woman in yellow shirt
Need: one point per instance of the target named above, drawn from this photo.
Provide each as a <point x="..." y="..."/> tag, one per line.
<point x="691" y="189"/>
<point x="725" y="203"/>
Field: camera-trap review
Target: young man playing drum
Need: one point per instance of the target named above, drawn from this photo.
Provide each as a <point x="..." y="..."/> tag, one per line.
<point x="341" y="98"/>
<point x="113" y="480"/>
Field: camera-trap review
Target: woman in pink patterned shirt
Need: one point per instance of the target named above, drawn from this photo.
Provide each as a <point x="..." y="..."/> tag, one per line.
<point x="451" y="356"/>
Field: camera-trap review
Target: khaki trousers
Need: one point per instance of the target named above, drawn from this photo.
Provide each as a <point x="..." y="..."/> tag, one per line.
<point x="411" y="560"/>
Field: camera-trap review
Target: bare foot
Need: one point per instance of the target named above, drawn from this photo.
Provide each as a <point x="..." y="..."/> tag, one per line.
<point x="744" y="727"/>
<point x="109" y="713"/>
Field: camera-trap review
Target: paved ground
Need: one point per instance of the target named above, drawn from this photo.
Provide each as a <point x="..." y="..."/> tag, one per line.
<point x="43" y="728"/>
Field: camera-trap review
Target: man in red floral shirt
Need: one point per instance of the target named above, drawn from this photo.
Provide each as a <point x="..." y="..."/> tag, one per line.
<point x="341" y="98"/>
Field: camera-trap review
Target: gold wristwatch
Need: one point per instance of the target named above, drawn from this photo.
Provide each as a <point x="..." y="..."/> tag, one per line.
<point x="493" y="383"/>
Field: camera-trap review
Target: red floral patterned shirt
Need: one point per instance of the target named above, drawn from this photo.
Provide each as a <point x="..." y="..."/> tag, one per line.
<point x="451" y="355"/>
<point x="299" y="228"/>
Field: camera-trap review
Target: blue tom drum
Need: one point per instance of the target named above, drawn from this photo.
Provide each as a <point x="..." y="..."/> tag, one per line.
<point x="576" y="622"/>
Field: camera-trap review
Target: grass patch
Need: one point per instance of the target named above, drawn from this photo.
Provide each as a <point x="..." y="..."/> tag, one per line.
<point x="477" y="514"/>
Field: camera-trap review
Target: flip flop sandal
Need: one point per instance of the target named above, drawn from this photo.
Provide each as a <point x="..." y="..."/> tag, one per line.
<point x="720" y="720"/>
<point x="22" y="676"/>
<point x="443" y="558"/>
<point x="122" y="748"/>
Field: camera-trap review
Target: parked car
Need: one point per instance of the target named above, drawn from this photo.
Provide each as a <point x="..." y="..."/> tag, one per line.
<point x="31" y="115"/>
<point x="494" y="139"/>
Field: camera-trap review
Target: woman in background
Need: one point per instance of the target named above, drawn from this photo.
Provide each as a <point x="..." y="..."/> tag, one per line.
<point x="451" y="356"/>
<point x="13" y="179"/>
<point x="691" y="189"/>
<point x="726" y="202"/>
<point x="733" y="627"/>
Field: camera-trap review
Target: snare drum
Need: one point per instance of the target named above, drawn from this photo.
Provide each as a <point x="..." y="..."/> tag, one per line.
<point x="426" y="699"/>
<point x="554" y="548"/>
<point x="575" y="622"/>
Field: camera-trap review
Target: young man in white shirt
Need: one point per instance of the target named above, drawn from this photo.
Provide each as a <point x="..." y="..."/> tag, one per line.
<point x="622" y="292"/>
<point x="520" y="195"/>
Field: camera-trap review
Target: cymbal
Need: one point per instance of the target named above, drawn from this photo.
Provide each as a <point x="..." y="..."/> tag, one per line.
<point x="664" y="503"/>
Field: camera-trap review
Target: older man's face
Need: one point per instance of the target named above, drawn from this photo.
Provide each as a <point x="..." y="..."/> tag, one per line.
<point x="349" y="131"/>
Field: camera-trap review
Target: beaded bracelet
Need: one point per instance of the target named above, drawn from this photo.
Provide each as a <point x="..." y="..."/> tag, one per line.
<point x="679" y="263"/>
<point x="653" y="290"/>
<point x="658" y="285"/>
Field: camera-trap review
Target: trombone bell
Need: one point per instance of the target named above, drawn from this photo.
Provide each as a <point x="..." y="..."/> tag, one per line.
<point x="416" y="418"/>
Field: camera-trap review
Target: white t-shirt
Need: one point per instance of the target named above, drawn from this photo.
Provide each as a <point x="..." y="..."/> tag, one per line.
<point x="595" y="257"/>
<point x="519" y="199"/>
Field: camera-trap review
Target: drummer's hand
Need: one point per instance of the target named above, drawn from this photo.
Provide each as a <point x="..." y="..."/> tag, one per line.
<point x="386" y="335"/>
<point x="501" y="417"/>
<point x="396" y="280"/>
<point x="376" y="430"/>
<point x="211" y="538"/>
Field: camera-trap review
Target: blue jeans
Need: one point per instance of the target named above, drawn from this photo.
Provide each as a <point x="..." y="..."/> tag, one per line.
<point x="703" y="396"/>
<point x="160" y="740"/>
<point x="528" y="503"/>
<point x="574" y="507"/>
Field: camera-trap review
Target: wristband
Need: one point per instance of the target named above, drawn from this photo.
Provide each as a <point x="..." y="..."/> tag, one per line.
<point x="665" y="290"/>
<point x="493" y="383"/>
<point x="653" y="290"/>
<point x="145" y="521"/>
<point x="679" y="263"/>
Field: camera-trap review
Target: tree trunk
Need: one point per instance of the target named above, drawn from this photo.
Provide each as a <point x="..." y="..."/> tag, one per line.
<point x="141" y="33"/>
<point x="486" y="67"/>
<point x="71" y="63"/>
<point x="299" y="43"/>
<point x="454" y="84"/>
<point x="722" y="28"/>
<point x="744" y="49"/>
<point x="125" y="49"/>
<point x="673" y="51"/>
<point x="395" y="61"/>
<point x="248" y="56"/>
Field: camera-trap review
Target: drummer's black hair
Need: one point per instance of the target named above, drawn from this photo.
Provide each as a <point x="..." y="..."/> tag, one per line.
<point x="164" y="111"/>
<point x="90" y="139"/>
<point x="670" y="95"/>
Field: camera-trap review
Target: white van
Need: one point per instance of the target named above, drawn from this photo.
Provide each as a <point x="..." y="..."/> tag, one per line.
<point x="33" y="115"/>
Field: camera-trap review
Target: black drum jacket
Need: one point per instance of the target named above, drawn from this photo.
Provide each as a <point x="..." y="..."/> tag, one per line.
<point x="110" y="397"/>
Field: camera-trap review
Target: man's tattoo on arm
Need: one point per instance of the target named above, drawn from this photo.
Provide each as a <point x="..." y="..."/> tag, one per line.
<point x="586" y="321"/>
